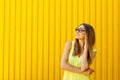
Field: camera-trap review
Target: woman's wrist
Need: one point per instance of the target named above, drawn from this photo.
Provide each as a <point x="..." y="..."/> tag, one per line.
<point x="85" y="52"/>
<point x="88" y="71"/>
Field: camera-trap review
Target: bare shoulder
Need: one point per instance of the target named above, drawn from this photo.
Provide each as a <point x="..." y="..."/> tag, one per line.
<point x="68" y="44"/>
<point x="66" y="51"/>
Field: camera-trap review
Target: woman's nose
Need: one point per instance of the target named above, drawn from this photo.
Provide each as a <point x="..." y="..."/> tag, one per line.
<point x="77" y="32"/>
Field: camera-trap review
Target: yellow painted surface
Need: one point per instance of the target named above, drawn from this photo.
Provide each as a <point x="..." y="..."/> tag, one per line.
<point x="33" y="35"/>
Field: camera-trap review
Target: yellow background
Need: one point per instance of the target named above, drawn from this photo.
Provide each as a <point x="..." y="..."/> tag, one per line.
<point x="33" y="34"/>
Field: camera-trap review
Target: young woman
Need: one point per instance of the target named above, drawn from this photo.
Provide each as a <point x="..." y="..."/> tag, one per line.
<point x="78" y="54"/>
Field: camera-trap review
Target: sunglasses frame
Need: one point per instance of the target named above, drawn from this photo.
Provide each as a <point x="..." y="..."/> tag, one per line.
<point x="80" y="30"/>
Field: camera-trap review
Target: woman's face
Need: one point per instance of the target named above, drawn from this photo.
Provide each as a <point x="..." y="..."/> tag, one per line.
<point x="80" y="32"/>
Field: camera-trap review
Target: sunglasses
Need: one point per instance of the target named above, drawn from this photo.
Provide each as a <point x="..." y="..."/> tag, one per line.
<point x="80" y="30"/>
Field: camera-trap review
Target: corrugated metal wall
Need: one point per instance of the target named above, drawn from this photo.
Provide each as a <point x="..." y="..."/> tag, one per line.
<point x="33" y="34"/>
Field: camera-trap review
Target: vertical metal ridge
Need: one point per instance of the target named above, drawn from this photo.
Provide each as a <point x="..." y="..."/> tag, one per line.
<point x="37" y="37"/>
<point x="31" y="33"/>
<point x="66" y="21"/>
<point x="95" y="34"/>
<point x="83" y="11"/>
<point x="60" y="29"/>
<point x="48" y="35"/>
<point x="9" y="39"/>
<point x="118" y="40"/>
<point x="26" y="40"/>
<point x="3" y="39"/>
<point x="101" y="36"/>
<point x="20" y="37"/>
<point x="54" y="36"/>
<point x="102" y="41"/>
<point x="113" y="38"/>
<point x="43" y="44"/>
<point x="15" y="41"/>
<point x="110" y="44"/>
<point x="89" y="12"/>
<point x="107" y="36"/>
<point x="72" y="18"/>
<point x="77" y="12"/>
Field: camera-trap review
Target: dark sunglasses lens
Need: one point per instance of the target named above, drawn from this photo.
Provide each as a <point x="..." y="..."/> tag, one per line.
<point x="76" y="29"/>
<point x="79" y="30"/>
<point x="83" y="30"/>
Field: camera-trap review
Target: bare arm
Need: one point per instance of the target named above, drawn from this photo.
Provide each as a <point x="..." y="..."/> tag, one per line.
<point x="64" y="60"/>
<point x="84" y="62"/>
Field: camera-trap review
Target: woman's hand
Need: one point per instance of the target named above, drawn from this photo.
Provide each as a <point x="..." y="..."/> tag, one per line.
<point x="86" y="46"/>
<point x="84" y="62"/>
<point x="88" y="71"/>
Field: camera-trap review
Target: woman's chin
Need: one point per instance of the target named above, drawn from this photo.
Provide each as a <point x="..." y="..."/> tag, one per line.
<point x="79" y="38"/>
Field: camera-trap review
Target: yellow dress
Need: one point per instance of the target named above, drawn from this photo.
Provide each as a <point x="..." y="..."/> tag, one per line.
<point x="74" y="61"/>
